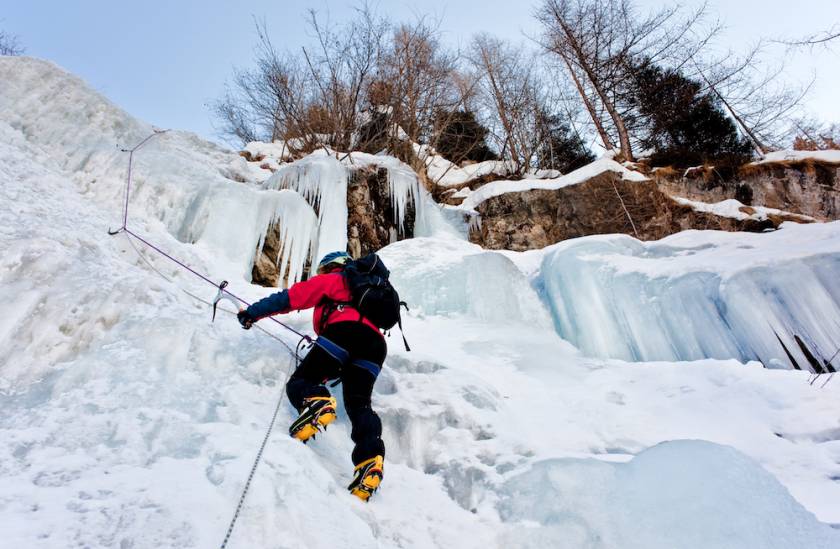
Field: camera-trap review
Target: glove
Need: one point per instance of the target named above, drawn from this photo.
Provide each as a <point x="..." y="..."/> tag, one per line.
<point x="245" y="319"/>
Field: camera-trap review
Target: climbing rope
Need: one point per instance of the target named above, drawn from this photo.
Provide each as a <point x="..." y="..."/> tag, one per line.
<point x="241" y="502"/>
<point x="127" y="231"/>
<point x="253" y="470"/>
<point x="222" y="293"/>
<point x="295" y="357"/>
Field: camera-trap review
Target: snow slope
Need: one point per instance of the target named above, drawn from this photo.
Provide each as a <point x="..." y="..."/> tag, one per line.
<point x="128" y="420"/>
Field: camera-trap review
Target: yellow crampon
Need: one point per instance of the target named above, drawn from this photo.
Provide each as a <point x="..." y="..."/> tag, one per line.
<point x="368" y="478"/>
<point x="317" y="414"/>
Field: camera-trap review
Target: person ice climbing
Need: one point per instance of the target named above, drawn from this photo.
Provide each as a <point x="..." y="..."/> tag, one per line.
<point x="349" y="348"/>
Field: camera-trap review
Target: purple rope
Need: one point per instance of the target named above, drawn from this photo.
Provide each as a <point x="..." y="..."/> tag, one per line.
<point x="204" y="278"/>
<point x="125" y="229"/>
<point x="127" y="189"/>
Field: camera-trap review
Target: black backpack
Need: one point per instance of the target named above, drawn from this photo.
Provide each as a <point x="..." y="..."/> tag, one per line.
<point x="373" y="295"/>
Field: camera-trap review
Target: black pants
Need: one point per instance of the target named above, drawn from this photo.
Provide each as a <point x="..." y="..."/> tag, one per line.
<point x="319" y="366"/>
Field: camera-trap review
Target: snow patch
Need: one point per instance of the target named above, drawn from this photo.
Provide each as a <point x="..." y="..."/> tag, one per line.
<point x="736" y="210"/>
<point x="686" y="494"/>
<point x="580" y="175"/>
<point x="832" y="157"/>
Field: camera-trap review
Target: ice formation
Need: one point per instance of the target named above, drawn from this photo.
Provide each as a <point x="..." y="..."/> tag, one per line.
<point x="642" y="504"/>
<point x="322" y="180"/>
<point x="403" y="185"/>
<point x="698" y="294"/>
<point x="445" y="276"/>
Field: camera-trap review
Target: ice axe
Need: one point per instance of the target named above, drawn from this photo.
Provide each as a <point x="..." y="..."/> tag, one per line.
<point x="222" y="295"/>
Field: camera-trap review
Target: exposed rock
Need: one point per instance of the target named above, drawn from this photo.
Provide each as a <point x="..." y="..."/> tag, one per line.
<point x="370" y="213"/>
<point x="604" y="204"/>
<point x="807" y="187"/>
<point x="265" y="271"/>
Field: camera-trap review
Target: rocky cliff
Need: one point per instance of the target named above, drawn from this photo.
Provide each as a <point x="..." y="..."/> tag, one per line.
<point x="809" y="187"/>
<point x="603" y="204"/>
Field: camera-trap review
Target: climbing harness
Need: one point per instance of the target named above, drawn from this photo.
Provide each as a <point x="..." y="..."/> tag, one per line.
<point x="222" y="294"/>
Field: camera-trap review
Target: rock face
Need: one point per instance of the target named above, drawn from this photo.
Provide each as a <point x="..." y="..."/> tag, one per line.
<point x="809" y="187"/>
<point x="371" y="217"/>
<point x="371" y="225"/>
<point x="604" y="204"/>
<point x="265" y="271"/>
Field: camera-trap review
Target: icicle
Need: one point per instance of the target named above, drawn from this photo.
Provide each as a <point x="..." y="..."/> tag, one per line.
<point x="322" y="181"/>
<point x="298" y="232"/>
<point x="402" y="186"/>
<point x="474" y="222"/>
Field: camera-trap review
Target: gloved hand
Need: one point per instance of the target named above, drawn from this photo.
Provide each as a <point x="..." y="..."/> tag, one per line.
<point x="245" y="319"/>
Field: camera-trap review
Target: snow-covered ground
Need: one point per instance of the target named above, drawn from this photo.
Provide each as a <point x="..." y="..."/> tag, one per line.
<point x="128" y="420"/>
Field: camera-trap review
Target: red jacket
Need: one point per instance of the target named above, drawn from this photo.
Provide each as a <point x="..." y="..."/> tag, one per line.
<point x="318" y="292"/>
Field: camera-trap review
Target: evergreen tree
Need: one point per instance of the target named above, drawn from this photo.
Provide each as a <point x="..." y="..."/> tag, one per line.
<point x="682" y="125"/>
<point x="460" y="137"/>
<point x="560" y="148"/>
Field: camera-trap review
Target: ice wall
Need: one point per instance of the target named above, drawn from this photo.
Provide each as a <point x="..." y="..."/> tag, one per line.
<point x="698" y="294"/>
<point x="446" y="276"/>
<point x="179" y="180"/>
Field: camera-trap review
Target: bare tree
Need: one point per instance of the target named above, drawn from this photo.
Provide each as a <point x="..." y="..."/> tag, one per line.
<point x="757" y="97"/>
<point x="10" y="45"/>
<point x="823" y="38"/>
<point x="312" y="98"/>
<point x="510" y="90"/>
<point x="341" y="68"/>
<point x="597" y="41"/>
<point x="810" y="135"/>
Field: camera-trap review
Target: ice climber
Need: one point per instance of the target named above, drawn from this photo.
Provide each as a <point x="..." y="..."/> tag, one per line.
<point x="349" y="348"/>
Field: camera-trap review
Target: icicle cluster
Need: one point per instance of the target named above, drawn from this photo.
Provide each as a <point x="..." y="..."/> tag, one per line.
<point x="298" y="226"/>
<point x="402" y="186"/>
<point x="322" y="180"/>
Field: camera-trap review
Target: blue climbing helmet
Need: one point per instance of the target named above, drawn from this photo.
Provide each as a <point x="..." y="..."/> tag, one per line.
<point x="333" y="260"/>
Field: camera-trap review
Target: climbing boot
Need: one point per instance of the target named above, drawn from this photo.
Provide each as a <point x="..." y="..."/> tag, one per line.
<point x="317" y="412"/>
<point x="368" y="476"/>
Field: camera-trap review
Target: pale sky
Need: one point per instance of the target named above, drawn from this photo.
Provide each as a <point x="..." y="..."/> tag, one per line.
<point x="164" y="61"/>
